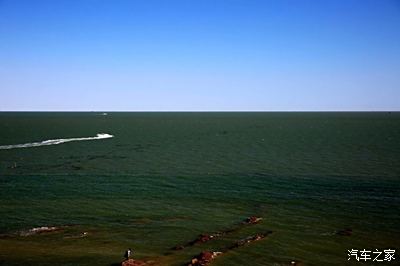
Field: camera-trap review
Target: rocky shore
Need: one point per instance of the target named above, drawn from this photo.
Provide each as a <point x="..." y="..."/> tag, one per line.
<point x="132" y="262"/>
<point x="206" y="257"/>
<point x="205" y="237"/>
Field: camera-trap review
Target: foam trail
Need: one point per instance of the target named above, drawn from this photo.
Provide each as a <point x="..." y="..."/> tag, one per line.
<point x="54" y="142"/>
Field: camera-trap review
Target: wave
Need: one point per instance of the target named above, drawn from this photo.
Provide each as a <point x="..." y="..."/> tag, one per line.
<point x="54" y="142"/>
<point x="39" y="230"/>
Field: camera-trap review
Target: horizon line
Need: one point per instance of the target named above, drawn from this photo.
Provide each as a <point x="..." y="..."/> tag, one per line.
<point x="199" y="111"/>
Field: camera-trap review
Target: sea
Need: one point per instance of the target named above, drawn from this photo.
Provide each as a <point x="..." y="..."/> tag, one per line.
<point x="79" y="188"/>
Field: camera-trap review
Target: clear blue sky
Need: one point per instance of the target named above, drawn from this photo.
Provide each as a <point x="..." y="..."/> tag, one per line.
<point x="200" y="55"/>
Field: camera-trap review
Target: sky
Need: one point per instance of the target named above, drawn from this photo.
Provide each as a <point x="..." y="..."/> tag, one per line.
<point x="200" y="55"/>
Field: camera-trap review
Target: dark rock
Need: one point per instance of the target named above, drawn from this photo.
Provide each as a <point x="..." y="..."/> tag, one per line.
<point x="249" y="239"/>
<point x="132" y="262"/>
<point x="207" y="237"/>
<point x="204" y="238"/>
<point x="252" y="220"/>
<point x="204" y="258"/>
<point x="200" y="239"/>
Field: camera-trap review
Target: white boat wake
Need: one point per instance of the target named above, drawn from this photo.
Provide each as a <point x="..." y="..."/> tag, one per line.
<point x="54" y="142"/>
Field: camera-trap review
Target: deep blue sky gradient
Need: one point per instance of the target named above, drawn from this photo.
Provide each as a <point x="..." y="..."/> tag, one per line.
<point x="200" y="55"/>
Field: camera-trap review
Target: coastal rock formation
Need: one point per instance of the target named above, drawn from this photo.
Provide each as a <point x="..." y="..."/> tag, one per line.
<point x="204" y="258"/>
<point x="202" y="238"/>
<point x="205" y="238"/>
<point x="132" y="262"/>
<point x="252" y="220"/>
<point x="249" y="239"/>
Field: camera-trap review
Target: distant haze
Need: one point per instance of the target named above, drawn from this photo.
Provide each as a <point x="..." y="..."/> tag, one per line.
<point x="200" y="55"/>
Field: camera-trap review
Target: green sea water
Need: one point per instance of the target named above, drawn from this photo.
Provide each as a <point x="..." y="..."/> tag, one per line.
<point x="165" y="178"/>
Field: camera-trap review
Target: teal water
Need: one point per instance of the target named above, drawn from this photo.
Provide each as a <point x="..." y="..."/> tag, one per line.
<point x="164" y="178"/>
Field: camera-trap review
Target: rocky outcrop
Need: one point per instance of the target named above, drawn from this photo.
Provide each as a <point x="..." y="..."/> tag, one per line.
<point x="202" y="238"/>
<point x="249" y="239"/>
<point x="132" y="262"/>
<point x="204" y="258"/>
<point x="252" y="220"/>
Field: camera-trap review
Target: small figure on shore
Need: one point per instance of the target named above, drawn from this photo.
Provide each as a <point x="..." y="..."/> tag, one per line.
<point x="128" y="253"/>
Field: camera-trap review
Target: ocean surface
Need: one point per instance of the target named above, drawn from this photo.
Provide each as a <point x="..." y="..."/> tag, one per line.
<point x="80" y="188"/>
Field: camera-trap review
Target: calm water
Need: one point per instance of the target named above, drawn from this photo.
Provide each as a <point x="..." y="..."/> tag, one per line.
<point x="164" y="178"/>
